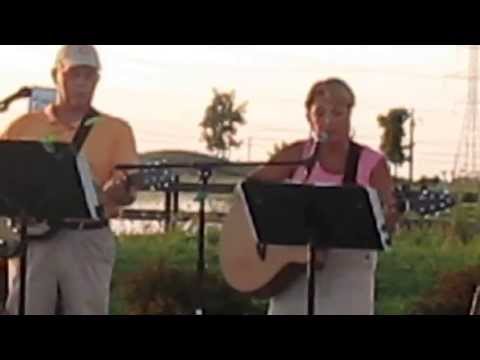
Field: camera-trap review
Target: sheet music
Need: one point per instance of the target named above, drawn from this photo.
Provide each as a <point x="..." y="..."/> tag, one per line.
<point x="88" y="186"/>
<point x="379" y="215"/>
<point x="41" y="97"/>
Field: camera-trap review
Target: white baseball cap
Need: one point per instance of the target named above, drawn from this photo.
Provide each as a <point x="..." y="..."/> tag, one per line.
<point x="77" y="55"/>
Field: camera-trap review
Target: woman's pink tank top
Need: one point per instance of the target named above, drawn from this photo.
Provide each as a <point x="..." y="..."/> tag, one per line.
<point x="368" y="160"/>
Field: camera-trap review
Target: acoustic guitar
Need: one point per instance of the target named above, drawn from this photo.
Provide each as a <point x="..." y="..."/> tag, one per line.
<point x="262" y="275"/>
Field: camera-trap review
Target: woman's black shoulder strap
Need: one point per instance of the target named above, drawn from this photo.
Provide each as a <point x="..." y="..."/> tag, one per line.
<point x="351" y="168"/>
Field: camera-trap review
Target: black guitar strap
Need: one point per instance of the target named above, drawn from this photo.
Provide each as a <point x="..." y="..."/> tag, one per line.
<point x="84" y="130"/>
<point x="351" y="168"/>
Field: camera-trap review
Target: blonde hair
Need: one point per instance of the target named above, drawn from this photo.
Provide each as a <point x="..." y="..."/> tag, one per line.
<point x="339" y="89"/>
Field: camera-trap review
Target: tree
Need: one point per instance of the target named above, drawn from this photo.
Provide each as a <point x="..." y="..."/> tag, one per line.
<point x="392" y="138"/>
<point x="220" y="124"/>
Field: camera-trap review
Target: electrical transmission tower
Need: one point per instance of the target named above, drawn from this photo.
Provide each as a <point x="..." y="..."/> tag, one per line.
<point x="466" y="159"/>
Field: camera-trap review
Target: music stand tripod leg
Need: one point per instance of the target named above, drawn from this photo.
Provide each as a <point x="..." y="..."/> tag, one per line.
<point x="311" y="258"/>
<point x="205" y="175"/>
<point x="5" y="287"/>
<point x="311" y="279"/>
<point x="23" y="269"/>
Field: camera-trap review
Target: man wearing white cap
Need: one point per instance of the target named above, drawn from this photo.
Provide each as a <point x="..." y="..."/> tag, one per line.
<point x="76" y="262"/>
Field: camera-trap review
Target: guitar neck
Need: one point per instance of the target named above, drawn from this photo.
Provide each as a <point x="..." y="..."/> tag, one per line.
<point x="136" y="180"/>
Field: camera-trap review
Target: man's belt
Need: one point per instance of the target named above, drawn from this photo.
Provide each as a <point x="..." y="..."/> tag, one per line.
<point x="81" y="225"/>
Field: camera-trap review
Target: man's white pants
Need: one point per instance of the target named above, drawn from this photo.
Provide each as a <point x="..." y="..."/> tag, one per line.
<point x="76" y="264"/>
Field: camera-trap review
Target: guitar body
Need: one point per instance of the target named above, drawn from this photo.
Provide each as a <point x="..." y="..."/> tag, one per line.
<point x="244" y="267"/>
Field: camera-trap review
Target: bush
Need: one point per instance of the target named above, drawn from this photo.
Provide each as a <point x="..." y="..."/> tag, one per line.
<point x="465" y="224"/>
<point x="470" y="198"/>
<point x="452" y="296"/>
<point x="160" y="289"/>
<point x="157" y="275"/>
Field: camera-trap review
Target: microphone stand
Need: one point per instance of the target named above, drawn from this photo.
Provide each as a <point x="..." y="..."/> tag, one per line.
<point x="24" y="92"/>
<point x="205" y="170"/>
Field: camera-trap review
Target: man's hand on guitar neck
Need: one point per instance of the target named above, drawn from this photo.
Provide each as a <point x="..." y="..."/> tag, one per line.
<point x="117" y="192"/>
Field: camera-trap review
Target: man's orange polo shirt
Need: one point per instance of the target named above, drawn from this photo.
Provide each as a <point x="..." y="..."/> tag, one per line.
<point x="111" y="141"/>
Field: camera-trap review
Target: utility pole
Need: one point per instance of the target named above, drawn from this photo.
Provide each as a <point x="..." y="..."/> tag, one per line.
<point x="411" y="147"/>
<point x="249" y="149"/>
<point x="466" y="161"/>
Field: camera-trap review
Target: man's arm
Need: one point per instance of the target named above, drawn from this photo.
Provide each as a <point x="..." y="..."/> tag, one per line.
<point x="117" y="191"/>
<point x="14" y="129"/>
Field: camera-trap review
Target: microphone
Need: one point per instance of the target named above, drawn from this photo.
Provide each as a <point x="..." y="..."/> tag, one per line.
<point x="319" y="140"/>
<point x="312" y="160"/>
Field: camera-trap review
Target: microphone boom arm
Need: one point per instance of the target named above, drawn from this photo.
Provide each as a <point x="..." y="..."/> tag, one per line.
<point x="24" y="92"/>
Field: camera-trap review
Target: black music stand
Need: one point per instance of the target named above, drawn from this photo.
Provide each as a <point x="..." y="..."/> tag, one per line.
<point x="46" y="181"/>
<point x="205" y="170"/>
<point x="316" y="217"/>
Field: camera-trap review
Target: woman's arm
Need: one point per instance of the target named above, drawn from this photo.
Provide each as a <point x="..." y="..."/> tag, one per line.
<point x="274" y="173"/>
<point x="382" y="181"/>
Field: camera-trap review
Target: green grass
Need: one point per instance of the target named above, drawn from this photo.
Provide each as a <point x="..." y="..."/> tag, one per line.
<point x="404" y="274"/>
<point x="415" y="265"/>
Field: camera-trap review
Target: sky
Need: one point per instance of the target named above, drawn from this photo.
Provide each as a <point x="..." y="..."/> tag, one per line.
<point x="163" y="91"/>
